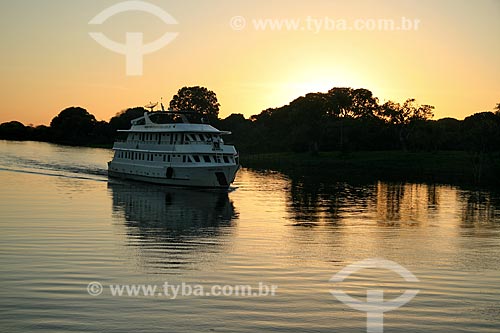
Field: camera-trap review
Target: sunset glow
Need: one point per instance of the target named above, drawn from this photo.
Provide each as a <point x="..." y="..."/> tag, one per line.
<point x="49" y="61"/>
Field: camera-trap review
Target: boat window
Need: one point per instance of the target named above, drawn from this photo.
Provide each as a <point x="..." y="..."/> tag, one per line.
<point x="226" y="160"/>
<point x="196" y="158"/>
<point x="184" y="159"/>
<point x="189" y="160"/>
<point x="206" y="158"/>
<point x="168" y="158"/>
<point x="164" y="158"/>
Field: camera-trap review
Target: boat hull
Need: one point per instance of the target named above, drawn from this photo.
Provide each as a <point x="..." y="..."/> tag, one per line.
<point x="204" y="177"/>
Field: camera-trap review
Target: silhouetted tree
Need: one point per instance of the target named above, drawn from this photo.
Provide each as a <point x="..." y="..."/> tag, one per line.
<point x="364" y="104"/>
<point x="241" y="132"/>
<point x="346" y="104"/>
<point x="306" y="116"/>
<point x="481" y="132"/>
<point x="446" y="134"/>
<point x="13" y="130"/>
<point x="481" y="135"/>
<point x="123" y="118"/>
<point x="73" y="125"/>
<point x="402" y="117"/>
<point x="196" y="99"/>
<point x="41" y="133"/>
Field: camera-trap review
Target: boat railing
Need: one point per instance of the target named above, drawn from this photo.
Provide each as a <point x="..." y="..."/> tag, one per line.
<point x="164" y="142"/>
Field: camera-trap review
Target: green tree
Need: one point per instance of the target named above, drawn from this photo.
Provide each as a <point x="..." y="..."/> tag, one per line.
<point x="196" y="99"/>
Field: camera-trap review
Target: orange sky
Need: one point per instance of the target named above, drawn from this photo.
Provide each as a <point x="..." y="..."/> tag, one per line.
<point x="49" y="61"/>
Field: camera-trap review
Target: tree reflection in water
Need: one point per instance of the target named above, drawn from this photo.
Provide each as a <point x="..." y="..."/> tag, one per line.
<point x="314" y="202"/>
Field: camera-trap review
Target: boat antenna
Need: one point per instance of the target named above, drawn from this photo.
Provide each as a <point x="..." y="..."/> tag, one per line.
<point x="162" y="107"/>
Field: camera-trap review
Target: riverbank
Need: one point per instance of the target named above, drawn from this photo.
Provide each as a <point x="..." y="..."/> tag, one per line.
<point x="440" y="167"/>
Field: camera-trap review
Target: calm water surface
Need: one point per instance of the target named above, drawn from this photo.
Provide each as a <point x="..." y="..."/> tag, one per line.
<point x="64" y="225"/>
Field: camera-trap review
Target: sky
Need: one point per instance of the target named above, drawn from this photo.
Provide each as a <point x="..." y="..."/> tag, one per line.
<point x="448" y="55"/>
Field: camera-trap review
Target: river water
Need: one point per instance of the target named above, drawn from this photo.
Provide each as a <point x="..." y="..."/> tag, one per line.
<point x="66" y="231"/>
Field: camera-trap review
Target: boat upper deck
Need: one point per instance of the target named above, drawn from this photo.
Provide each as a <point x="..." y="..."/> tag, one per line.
<point x="170" y="121"/>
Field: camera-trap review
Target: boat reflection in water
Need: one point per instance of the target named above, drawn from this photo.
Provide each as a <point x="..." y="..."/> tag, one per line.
<point x="173" y="228"/>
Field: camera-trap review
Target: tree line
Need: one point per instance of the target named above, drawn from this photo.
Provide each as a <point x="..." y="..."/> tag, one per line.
<point x="342" y="119"/>
<point x="347" y="119"/>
